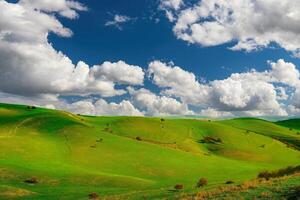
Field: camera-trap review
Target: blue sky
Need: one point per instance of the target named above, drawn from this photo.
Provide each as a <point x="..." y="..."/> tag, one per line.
<point x="148" y="34"/>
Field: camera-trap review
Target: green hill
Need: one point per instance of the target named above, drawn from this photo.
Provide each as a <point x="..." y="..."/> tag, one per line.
<point x="291" y="123"/>
<point x="72" y="156"/>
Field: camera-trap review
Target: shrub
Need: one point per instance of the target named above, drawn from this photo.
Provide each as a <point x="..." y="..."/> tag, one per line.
<point x="93" y="195"/>
<point x="162" y="120"/>
<point x="209" y="139"/>
<point x="32" y="180"/>
<point x="138" y="138"/>
<point x="202" y="182"/>
<point x="229" y="182"/>
<point x="178" y="186"/>
<point x="281" y="172"/>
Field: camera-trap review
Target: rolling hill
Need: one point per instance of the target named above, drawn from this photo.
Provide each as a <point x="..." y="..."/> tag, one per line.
<point x="70" y="156"/>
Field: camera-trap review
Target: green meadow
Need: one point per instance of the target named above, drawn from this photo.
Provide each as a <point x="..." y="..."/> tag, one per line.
<point x="72" y="156"/>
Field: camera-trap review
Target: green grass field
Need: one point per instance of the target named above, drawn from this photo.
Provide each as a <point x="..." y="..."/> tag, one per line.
<point x="72" y="156"/>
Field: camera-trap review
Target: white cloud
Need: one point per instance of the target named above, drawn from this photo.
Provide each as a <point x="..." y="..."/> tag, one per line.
<point x="65" y="8"/>
<point x="118" y="21"/>
<point x="243" y="92"/>
<point x="158" y="105"/>
<point x="169" y="6"/>
<point x="25" y="52"/>
<point x="285" y="72"/>
<point x="101" y="107"/>
<point x="120" y="72"/>
<point x="177" y="82"/>
<point x="252" y="24"/>
<point x="213" y="113"/>
<point x="251" y="93"/>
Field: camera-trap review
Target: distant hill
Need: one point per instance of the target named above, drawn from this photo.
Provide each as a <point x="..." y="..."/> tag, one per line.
<point x="291" y="123"/>
<point x="51" y="154"/>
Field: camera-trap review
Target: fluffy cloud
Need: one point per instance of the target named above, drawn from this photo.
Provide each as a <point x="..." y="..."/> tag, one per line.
<point x="65" y="8"/>
<point x="250" y="93"/>
<point x="177" y="82"/>
<point x="29" y="65"/>
<point x="158" y="105"/>
<point x="285" y="72"/>
<point x="253" y="24"/>
<point x="101" y="107"/>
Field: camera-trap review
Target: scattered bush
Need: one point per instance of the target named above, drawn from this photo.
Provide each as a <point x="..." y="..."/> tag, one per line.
<point x="202" y="182"/>
<point x="290" y="129"/>
<point x="229" y="182"/>
<point x="138" y="138"/>
<point x="93" y="195"/>
<point x="93" y="146"/>
<point x="32" y="180"/>
<point x="179" y="187"/>
<point x="282" y="172"/>
<point x="162" y="120"/>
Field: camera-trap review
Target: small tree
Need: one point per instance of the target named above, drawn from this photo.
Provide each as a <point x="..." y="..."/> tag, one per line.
<point x="202" y="182"/>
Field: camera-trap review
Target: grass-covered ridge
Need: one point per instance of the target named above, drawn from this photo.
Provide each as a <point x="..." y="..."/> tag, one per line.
<point x="72" y="156"/>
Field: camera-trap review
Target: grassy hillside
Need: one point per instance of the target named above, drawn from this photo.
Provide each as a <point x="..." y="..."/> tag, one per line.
<point x="72" y="156"/>
<point x="292" y="123"/>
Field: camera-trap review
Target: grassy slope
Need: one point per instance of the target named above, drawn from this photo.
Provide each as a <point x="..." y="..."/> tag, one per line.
<point x="292" y="123"/>
<point x="62" y="151"/>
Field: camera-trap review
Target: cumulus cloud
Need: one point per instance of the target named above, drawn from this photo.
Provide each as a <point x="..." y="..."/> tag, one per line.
<point x="285" y="72"/>
<point x="103" y="108"/>
<point x="118" y="21"/>
<point x="25" y="52"/>
<point x="249" y="93"/>
<point x="177" y="82"/>
<point x="158" y="105"/>
<point x="252" y="24"/>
